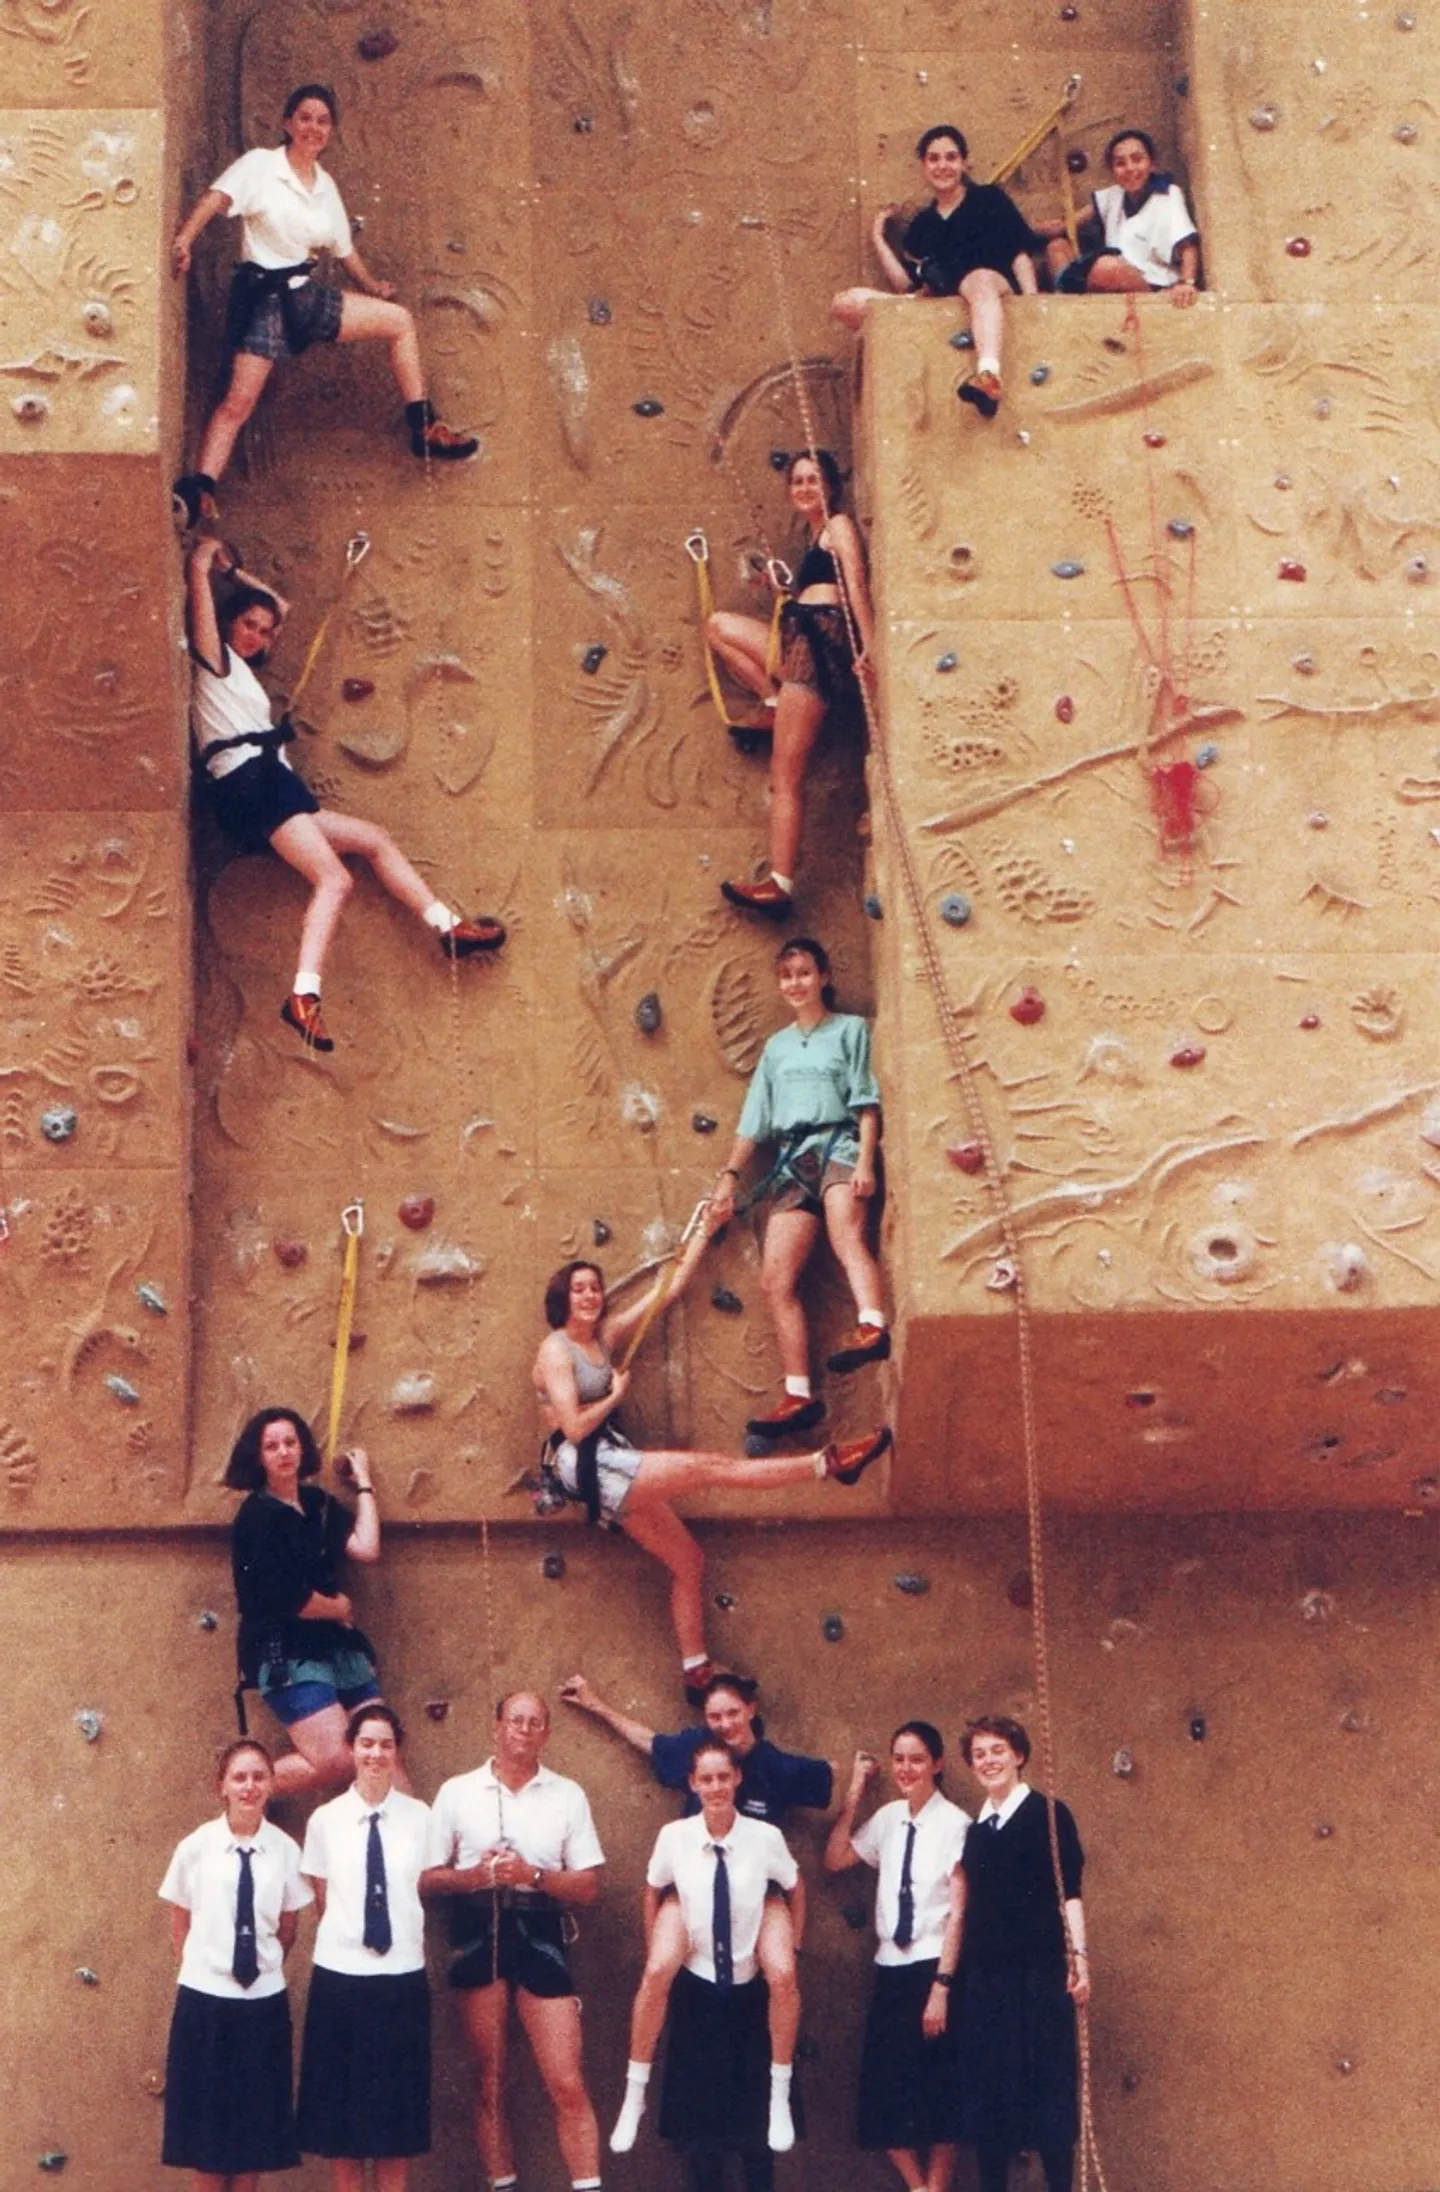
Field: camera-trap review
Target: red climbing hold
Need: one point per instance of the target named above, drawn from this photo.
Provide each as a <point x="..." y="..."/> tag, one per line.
<point x="416" y="1212"/>
<point x="1175" y="789"/>
<point x="1293" y="570"/>
<point x="357" y="688"/>
<point x="967" y="1156"/>
<point x="1311" y="1020"/>
<point x="1154" y="439"/>
<point x="1064" y="709"/>
<point x="1298" y="247"/>
<point x="1028" y="1008"/>
<point x="289" y="1254"/>
<point x="376" y="45"/>
<point x="1189" y="1054"/>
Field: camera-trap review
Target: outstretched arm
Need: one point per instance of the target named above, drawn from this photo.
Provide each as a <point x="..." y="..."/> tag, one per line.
<point x="213" y="202"/>
<point x="363" y="279"/>
<point x="363" y="1543"/>
<point x="577" y="1691"/>
<point x="204" y="626"/>
<point x="840" y="1852"/>
<point x="672" y="1283"/>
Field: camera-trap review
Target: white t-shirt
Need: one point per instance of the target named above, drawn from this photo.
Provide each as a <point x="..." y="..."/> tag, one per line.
<point x="939" y="1839"/>
<point x="1151" y="238"/>
<point x="285" y="221"/>
<point x="222" y="707"/>
<point x="204" y="1878"/>
<point x="337" y="1842"/>
<point x="684" y="1859"/>
<point x="548" y="1821"/>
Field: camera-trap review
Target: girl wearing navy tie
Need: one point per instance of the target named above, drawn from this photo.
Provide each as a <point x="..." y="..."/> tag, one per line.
<point x="365" y="2067"/>
<point x="234" y="1888"/>
<point x="909" y="2097"/>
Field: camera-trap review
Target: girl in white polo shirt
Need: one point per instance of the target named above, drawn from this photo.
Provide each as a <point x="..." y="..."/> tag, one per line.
<point x="291" y="210"/>
<point x="234" y="1888"/>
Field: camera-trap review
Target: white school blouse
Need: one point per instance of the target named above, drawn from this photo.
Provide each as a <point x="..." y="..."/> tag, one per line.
<point x="337" y="1843"/>
<point x="940" y="1828"/>
<point x="222" y="707"/>
<point x="284" y="220"/>
<point x="1151" y="238"/>
<point x="755" y="1854"/>
<point x="548" y="1821"/>
<point x="204" y="1878"/>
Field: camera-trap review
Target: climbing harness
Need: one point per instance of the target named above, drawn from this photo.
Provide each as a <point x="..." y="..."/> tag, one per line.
<point x="1051" y="124"/>
<point x="357" y="548"/>
<point x="352" y="1224"/>
<point x="1009" y="1261"/>
<point x="749" y="737"/>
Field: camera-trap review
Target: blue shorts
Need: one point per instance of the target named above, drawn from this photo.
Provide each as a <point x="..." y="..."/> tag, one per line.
<point x="311" y="1685"/>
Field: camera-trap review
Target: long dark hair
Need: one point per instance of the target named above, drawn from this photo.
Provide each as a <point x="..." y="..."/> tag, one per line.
<point x="245" y="1472"/>
<point x="557" y="1290"/>
<point x="830" y="472"/>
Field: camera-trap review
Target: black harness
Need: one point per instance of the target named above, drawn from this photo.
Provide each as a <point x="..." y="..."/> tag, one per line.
<point x="271" y="740"/>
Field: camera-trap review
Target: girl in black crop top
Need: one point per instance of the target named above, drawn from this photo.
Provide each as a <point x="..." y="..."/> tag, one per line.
<point x="828" y="609"/>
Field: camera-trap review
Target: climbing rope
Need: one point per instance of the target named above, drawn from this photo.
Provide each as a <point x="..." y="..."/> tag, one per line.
<point x="1051" y="124"/>
<point x="1008" y="1273"/>
<point x="352" y="1225"/>
<point x="747" y="736"/>
<point x="662" y="1291"/>
<point x="357" y="548"/>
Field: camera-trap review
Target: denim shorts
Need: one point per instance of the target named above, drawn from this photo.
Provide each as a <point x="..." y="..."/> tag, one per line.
<point x="310" y="1685"/>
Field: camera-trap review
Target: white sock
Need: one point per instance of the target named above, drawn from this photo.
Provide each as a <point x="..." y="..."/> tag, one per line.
<point x="989" y="365"/>
<point x="632" y="2108"/>
<point x="798" y="1388"/>
<point x="306" y="984"/>
<point x="786" y="882"/>
<point x="688" y="1666"/>
<point x="875" y="1317"/>
<point x="437" y="916"/>
<point x="782" y="2124"/>
<point x="503" y="2184"/>
<point x="585" y="2184"/>
<point x="820" y="1469"/>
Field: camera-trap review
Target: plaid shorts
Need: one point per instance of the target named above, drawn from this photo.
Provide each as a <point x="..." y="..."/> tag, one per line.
<point x="315" y="310"/>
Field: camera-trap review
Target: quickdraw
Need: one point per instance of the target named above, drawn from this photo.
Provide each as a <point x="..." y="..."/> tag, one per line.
<point x="1050" y="124"/>
<point x="749" y="737"/>
<point x="352" y="1224"/>
<point x="357" y="548"/>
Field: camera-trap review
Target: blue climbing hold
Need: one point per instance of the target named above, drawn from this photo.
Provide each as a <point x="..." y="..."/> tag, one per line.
<point x="649" y="407"/>
<point x="592" y="658"/>
<point x="947" y="662"/>
<point x="779" y="460"/>
<point x="873" y="907"/>
<point x="124" y="1391"/>
<point x="955" y="909"/>
<point x="89" y="1722"/>
<point x="1180" y="529"/>
<point x="647" y="1014"/>
<point x="58" y="1123"/>
<point x="725" y="1600"/>
<point x="756" y="1447"/>
<point x="600" y="312"/>
<point x="207" y="1621"/>
<point x="832" y="1628"/>
<point x="702" y="1122"/>
<point x="1068" y="570"/>
<point x="1207" y="757"/>
<point x="962" y="339"/>
<point x="599" y="1232"/>
<point x="1039" y="375"/>
<point x="151" y="1298"/>
<point x="552" y="1567"/>
<point x="912" y="1584"/>
<point x="729" y="1305"/>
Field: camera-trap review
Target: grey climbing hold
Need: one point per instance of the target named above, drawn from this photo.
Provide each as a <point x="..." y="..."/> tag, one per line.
<point x="437" y="1709"/>
<point x="649" y="407"/>
<point x="955" y="909"/>
<point x="648" y="1014"/>
<point x="1180" y="529"/>
<point x="1122" y="1765"/>
<point x="552" y="1567"/>
<point x="779" y="460"/>
<point x="53" y="2162"/>
<point x="1405" y="133"/>
<point x="127" y="1394"/>
<point x="583" y="124"/>
<point x="1264" y="118"/>
<point x="207" y="1621"/>
<point x="873" y="907"/>
<point x="592" y="658"/>
<point x="151" y="1298"/>
<point x="86" y="1976"/>
<point x="1303" y="665"/>
<point x="1417" y="570"/>
<point x="832" y="1628"/>
<point x="1039" y="375"/>
<point x="1067" y="569"/>
<point x="599" y="1232"/>
<point x="1198" y="1729"/>
<point x="756" y="1447"/>
<point x="728" y="1304"/>
<point x="912" y="1584"/>
<point x="946" y="663"/>
<point x="600" y="312"/>
<point x="702" y="1122"/>
<point x="1206" y="757"/>
<point x="89" y="1722"/>
<point x="962" y="339"/>
<point x="725" y="1600"/>
<point x="58" y="1124"/>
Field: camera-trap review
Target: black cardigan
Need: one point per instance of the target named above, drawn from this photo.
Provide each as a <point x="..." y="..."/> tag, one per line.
<point x="279" y="1559"/>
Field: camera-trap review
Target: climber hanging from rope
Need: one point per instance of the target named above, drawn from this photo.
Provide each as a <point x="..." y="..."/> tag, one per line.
<point x="262" y="804"/>
<point x="290" y="210"/>
<point x="579" y="1384"/>
<point x="818" y="664"/>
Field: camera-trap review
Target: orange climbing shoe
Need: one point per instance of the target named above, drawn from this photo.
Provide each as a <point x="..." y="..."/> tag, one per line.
<point x="796" y="1412"/>
<point x="469" y="937"/>
<point x="847" y="1463"/>
<point x="765" y="898"/>
<point x="302" y="1012"/>
<point x="867" y="1343"/>
<point x="436" y="439"/>
<point x="984" y="390"/>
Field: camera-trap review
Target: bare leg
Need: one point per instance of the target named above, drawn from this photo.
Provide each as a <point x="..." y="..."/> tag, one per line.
<point x="658" y="1530"/>
<point x="669" y="1946"/>
<point x="392" y="2174"/>
<point x="247" y="380"/>
<point x="776" y="1952"/>
<point x="320" y="1759"/>
<point x="848" y="306"/>
<point x="486" y="2015"/>
<point x="313" y="843"/>
<point x="203" y="2181"/>
<point x="985" y="292"/>
<point x="1059" y="253"/>
<point x="666" y="1476"/>
<point x="1115" y="276"/>
<point x="553" y="2030"/>
<point x="790" y="1238"/>
<point x="372" y="319"/>
<point x="743" y="645"/>
<point x="907" y="2161"/>
<point x="845" y="1217"/>
<point x="798" y="718"/>
<point x="942" y="2168"/>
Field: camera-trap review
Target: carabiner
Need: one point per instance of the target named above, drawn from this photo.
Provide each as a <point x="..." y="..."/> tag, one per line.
<point x="352" y="1219"/>
<point x="697" y="547"/>
<point x="357" y="548"/>
<point x="778" y="571"/>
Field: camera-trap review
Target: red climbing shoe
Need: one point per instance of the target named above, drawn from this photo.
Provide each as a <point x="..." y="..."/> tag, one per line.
<point x="696" y="1680"/>
<point x="765" y="898"/>
<point x="847" y="1463"/>
<point x="436" y="439"/>
<point x="796" y="1412"/>
<point x="302" y="1012"/>
<point x="867" y="1343"/>
<point x="984" y="390"/>
<point x="469" y="937"/>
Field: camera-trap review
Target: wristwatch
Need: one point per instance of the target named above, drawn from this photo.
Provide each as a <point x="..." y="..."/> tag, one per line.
<point x="537" y="1876"/>
<point x="944" y="1979"/>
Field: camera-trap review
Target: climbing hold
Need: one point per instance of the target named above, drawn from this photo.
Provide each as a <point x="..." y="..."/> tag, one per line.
<point x="649" y="407"/>
<point x="725" y="1600"/>
<point x="1004" y="1276"/>
<point x="355" y="689"/>
<point x="648" y="1014"/>
<point x="86" y="1976"/>
<point x="1417" y="570"/>
<point x="1129" y="2081"/>
<point x="1323" y="407"/>
<point x="967" y="1156"/>
<point x="1378" y="1014"/>
<point x="1039" y="375"/>
<point x="1304" y="666"/>
<point x="58" y="1124"/>
<point x="98" y="318"/>
<point x="151" y="1298"/>
<point x="911" y="1584"/>
<point x="1189" y="1054"/>
<point x="955" y="909"/>
<point x="53" y="2162"/>
<point x="640" y="1108"/>
<point x="1064" y="709"/>
<point x="1323" y="1831"/>
<point x="1154" y="439"/>
<point x="1180" y="529"/>
<point x="1020" y="1590"/>
<point x="445" y="1263"/>
<point x="416" y="1211"/>
<point x="1346" y="1265"/>
<point x="779" y="460"/>
<point x="832" y="1628"/>
<point x="1225" y="1254"/>
<point x="1310" y="1021"/>
<point x="413" y="1394"/>
<point x="31" y="410"/>
<point x="289" y="1254"/>
<point x="1028" y="1009"/>
<point x="1122" y="1765"/>
<point x="1077" y="160"/>
<point x="946" y="663"/>
<point x="1293" y="570"/>
<point x="552" y="1567"/>
<point x="437" y="1709"/>
<point x="873" y="908"/>
<point x="1282" y="483"/>
<point x="1317" y="1606"/>
<point x="962" y="339"/>
<point x="1405" y="22"/>
<point x="1298" y="247"/>
<point x="1317" y="819"/>
<point x="592" y="658"/>
<point x="1206" y="757"/>
<point x="962" y="560"/>
<point x="377" y="45"/>
<point x="1352" y="1722"/>
<point x="583" y="124"/>
<point x="598" y="312"/>
<point x="127" y="1394"/>
<point x="756" y="1447"/>
<point x="1067" y="569"/>
<point x="207" y="1621"/>
<point x="1344" y="2064"/>
<point x="1069" y="13"/>
<point x="1264" y="118"/>
<point x="729" y="1305"/>
<point x="599" y="1232"/>
<point x="702" y="1122"/>
<point x="1405" y="133"/>
<point x="90" y="1723"/>
<point x="1197" y="1727"/>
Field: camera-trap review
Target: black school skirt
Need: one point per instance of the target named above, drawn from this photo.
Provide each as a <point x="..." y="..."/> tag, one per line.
<point x="365" y="2065"/>
<point x="1018" y="2056"/>
<point x="909" y="2086"/>
<point x="716" y="2086"/>
<point x="227" y="2086"/>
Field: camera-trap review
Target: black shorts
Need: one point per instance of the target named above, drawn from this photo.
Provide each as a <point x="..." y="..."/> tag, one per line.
<point x="532" y="1952"/>
<point x="253" y="801"/>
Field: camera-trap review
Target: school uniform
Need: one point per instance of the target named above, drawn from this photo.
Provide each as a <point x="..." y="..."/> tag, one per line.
<point x="365" y="2064"/>
<point x="275" y="309"/>
<point x="986" y="229"/>
<point x="909" y="2095"/>
<point x="253" y="787"/>
<point x="228" y="2103"/>
<point x="771" y="1780"/>
<point x="548" y="1822"/>
<point x="715" y="2093"/>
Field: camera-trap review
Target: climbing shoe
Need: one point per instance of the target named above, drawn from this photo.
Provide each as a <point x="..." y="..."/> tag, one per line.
<point x="848" y="1462"/>
<point x="984" y="390"/>
<point x="431" y="437"/>
<point x="867" y="1343"/>
<point x="469" y="937"/>
<point x="796" y="1412"/>
<point x="302" y="1012"/>
<point x="696" y="1680"/>
<point x="765" y="898"/>
<point x="193" y="500"/>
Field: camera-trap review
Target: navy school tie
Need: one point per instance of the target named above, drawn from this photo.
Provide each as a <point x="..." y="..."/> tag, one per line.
<point x="720" y="1922"/>
<point x="245" y="1963"/>
<point x="377" y="1908"/>
<point x="905" y="1920"/>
